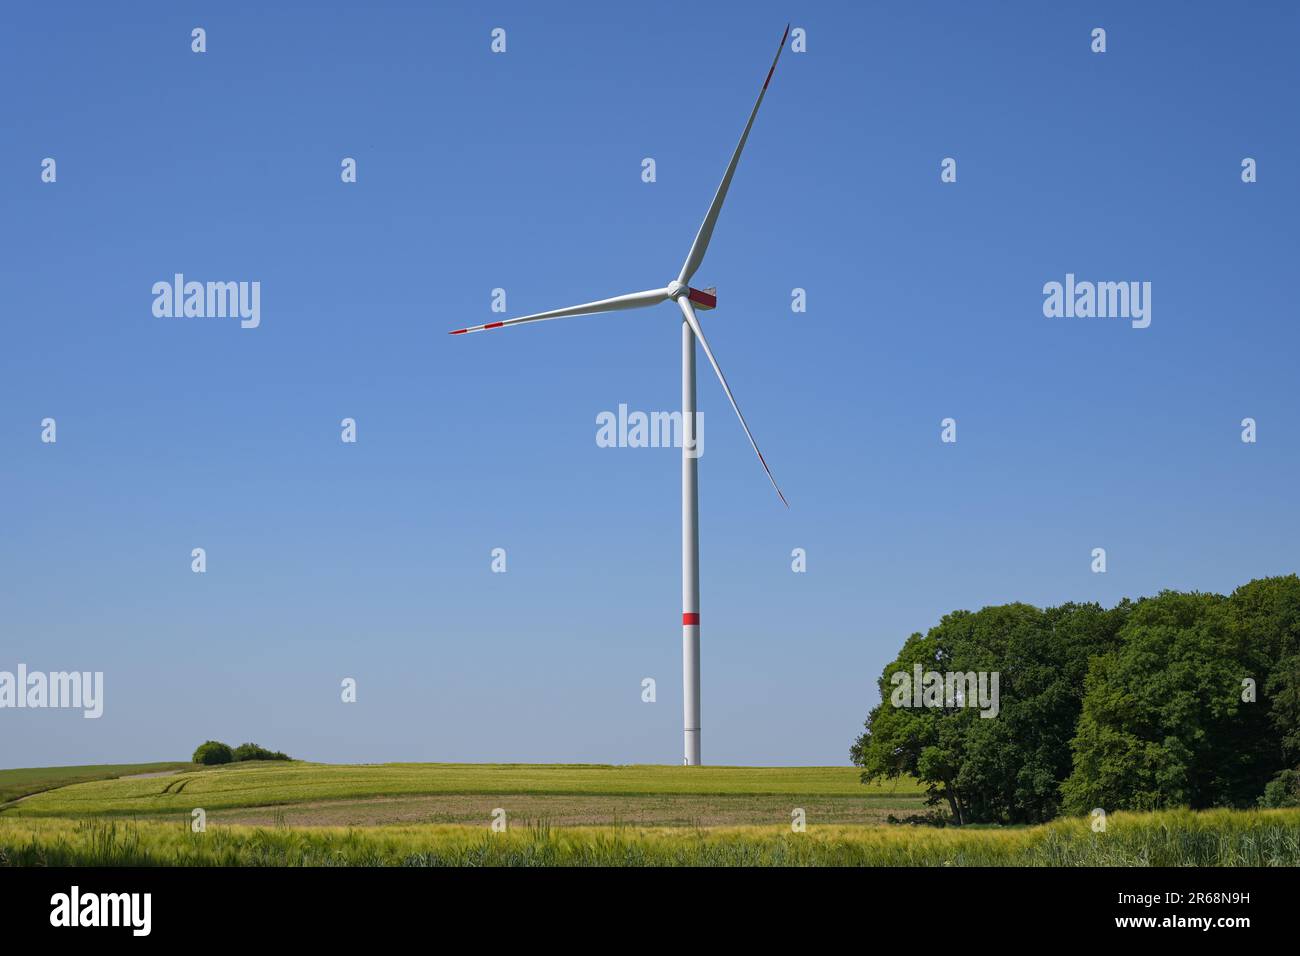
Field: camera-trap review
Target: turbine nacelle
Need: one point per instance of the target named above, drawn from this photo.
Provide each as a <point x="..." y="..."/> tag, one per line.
<point x="702" y="299"/>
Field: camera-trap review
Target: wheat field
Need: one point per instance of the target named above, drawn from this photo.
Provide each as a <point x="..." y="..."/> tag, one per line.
<point x="134" y="821"/>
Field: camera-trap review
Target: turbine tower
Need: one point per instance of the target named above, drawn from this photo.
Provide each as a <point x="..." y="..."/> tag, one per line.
<point x="687" y="299"/>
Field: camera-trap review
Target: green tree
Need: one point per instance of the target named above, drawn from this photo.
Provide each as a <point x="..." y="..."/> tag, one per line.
<point x="1018" y="761"/>
<point x="1183" y="699"/>
<point x="256" y="752"/>
<point x="1006" y="768"/>
<point x="900" y="740"/>
<point x="1163" y="720"/>
<point x="1282" y="791"/>
<point x="213" y="752"/>
<point x="1267" y="615"/>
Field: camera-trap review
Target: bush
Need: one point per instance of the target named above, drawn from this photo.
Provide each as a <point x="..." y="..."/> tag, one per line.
<point x="212" y="752"/>
<point x="256" y="752"/>
<point x="1282" y="791"/>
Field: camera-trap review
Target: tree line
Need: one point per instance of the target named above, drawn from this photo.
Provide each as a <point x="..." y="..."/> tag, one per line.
<point x="213" y="752"/>
<point x="1183" y="699"/>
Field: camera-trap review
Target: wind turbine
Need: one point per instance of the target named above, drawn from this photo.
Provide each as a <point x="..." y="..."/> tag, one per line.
<point x="687" y="300"/>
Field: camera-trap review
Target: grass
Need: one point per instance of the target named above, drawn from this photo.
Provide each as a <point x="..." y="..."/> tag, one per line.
<point x="1171" y="838"/>
<point x="443" y="812"/>
<point x="265" y="784"/>
<point x="23" y="782"/>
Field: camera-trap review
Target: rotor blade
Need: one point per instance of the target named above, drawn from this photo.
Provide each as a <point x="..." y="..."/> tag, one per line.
<point x="701" y="243"/>
<point x="689" y="313"/>
<point x="633" y="300"/>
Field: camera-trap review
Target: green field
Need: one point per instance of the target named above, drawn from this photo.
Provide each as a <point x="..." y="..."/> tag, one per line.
<point x="1175" y="838"/>
<point x="19" y="783"/>
<point x="300" y="814"/>
<point x="320" y="794"/>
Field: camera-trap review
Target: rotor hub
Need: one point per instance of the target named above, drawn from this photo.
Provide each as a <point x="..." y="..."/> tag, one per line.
<point x="677" y="289"/>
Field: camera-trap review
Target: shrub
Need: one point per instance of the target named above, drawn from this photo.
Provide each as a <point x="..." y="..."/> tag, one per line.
<point x="1282" y="791"/>
<point x="212" y="752"/>
<point x="256" y="752"/>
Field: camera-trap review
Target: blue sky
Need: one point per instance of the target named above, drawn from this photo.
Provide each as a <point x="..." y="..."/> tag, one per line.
<point x="522" y="171"/>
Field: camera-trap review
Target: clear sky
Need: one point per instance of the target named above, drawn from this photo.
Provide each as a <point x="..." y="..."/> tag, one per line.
<point x="522" y="171"/>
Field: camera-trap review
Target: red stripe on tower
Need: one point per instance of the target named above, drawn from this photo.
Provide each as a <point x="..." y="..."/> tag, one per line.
<point x="688" y="618"/>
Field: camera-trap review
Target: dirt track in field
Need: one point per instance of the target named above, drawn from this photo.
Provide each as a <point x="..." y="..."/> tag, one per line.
<point x="149" y="776"/>
<point x="575" y="810"/>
